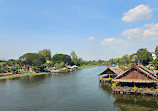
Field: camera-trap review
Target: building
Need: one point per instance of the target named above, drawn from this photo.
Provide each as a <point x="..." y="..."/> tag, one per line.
<point x="110" y="73"/>
<point x="137" y="78"/>
<point x="140" y="66"/>
<point x="153" y="55"/>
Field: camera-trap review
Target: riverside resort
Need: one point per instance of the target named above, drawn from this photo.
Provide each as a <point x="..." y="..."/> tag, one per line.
<point x="78" y="55"/>
<point x="137" y="79"/>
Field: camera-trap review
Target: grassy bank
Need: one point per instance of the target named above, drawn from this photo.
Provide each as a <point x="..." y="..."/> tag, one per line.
<point x="83" y="67"/>
<point x="20" y="75"/>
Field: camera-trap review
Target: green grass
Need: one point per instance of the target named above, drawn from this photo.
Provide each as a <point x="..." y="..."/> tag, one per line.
<point x="83" y="67"/>
<point x="20" y="75"/>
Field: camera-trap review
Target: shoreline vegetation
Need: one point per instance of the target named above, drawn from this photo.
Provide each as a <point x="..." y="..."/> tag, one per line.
<point x="84" y="67"/>
<point x="34" y="74"/>
<point x="43" y="62"/>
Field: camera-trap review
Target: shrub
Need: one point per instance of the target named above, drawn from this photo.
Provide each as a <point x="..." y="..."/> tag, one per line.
<point x="12" y="69"/>
<point x="156" y="90"/>
<point x="140" y="89"/>
<point x="135" y="88"/>
<point x="36" y="69"/>
<point x="2" y="70"/>
<point x="59" y="65"/>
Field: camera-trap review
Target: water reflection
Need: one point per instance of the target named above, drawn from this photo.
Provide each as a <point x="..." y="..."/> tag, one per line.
<point x="132" y="102"/>
<point x="34" y="78"/>
<point x="106" y="87"/>
<point x="136" y="102"/>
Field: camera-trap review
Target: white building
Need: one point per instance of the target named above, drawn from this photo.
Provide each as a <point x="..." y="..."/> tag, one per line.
<point x="153" y="55"/>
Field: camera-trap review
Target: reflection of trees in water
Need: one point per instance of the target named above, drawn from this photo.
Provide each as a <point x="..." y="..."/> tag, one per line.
<point x="34" y="78"/>
<point x="106" y="87"/>
<point x="28" y="78"/>
<point x="136" y="102"/>
<point x="3" y="80"/>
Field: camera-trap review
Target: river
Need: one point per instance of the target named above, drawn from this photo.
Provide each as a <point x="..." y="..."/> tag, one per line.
<point x="77" y="91"/>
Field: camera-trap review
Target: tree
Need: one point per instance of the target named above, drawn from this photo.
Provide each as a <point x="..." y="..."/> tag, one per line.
<point x="133" y="58"/>
<point x="155" y="63"/>
<point x="46" y="53"/>
<point x="57" y="58"/>
<point x="125" y="59"/>
<point x="3" y="67"/>
<point x="13" y="69"/>
<point x="59" y="65"/>
<point x="144" y="56"/>
<point x="79" y="61"/>
<point x="10" y="62"/>
<point x="118" y="61"/>
<point x="74" y="57"/>
<point x="156" y="51"/>
<point x="33" y="59"/>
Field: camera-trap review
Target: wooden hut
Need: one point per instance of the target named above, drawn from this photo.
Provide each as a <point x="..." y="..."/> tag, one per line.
<point x="110" y="73"/>
<point x="136" y="77"/>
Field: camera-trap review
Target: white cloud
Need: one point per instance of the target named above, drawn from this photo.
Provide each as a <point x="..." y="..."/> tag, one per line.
<point x="133" y="33"/>
<point x="110" y="41"/>
<point x="91" y="38"/>
<point x="147" y="32"/>
<point x="140" y="12"/>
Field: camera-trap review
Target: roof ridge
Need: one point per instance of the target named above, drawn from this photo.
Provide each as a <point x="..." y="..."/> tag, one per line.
<point x="136" y="67"/>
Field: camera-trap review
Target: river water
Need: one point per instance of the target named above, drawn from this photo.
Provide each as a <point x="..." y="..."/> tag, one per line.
<point x="77" y="91"/>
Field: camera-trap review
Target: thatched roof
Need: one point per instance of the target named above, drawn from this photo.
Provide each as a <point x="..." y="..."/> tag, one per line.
<point x="115" y="70"/>
<point x="146" y="69"/>
<point x="119" y="79"/>
<point x="134" y="80"/>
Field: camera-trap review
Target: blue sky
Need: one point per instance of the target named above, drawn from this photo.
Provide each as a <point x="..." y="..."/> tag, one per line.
<point x="94" y="29"/>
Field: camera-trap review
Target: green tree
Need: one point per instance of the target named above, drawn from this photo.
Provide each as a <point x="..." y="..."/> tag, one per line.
<point x="57" y="58"/>
<point x="125" y="59"/>
<point x="33" y="59"/>
<point x="59" y="65"/>
<point x="144" y="56"/>
<point x="74" y="57"/>
<point x="133" y="58"/>
<point x="118" y="61"/>
<point x="3" y="67"/>
<point x="20" y="62"/>
<point x="156" y="51"/>
<point x="13" y="69"/>
<point x="79" y="61"/>
<point x="46" y="53"/>
<point x="155" y="63"/>
<point x="10" y="62"/>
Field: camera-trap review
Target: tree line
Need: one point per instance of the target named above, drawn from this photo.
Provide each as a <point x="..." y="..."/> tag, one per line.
<point x="142" y="56"/>
<point x="42" y="60"/>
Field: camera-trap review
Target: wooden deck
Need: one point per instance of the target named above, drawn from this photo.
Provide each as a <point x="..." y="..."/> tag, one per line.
<point x="104" y="80"/>
<point x="126" y="90"/>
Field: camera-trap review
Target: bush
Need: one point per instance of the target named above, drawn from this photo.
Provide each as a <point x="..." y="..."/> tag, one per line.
<point x="36" y="69"/>
<point x="140" y="89"/>
<point x="12" y="69"/>
<point x="59" y="65"/>
<point x="17" y="71"/>
<point x="2" y="70"/>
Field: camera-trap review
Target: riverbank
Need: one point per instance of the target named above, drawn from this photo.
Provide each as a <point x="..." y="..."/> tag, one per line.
<point x="84" y="67"/>
<point x="21" y="75"/>
<point x="33" y="74"/>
